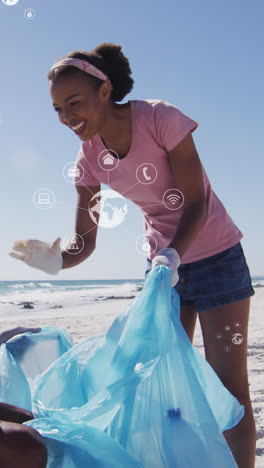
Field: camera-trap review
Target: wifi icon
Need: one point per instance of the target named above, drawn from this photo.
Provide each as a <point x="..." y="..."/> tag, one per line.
<point x="173" y="199"/>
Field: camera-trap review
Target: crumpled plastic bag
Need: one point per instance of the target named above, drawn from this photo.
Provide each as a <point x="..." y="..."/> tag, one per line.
<point x="139" y="396"/>
<point x="24" y="358"/>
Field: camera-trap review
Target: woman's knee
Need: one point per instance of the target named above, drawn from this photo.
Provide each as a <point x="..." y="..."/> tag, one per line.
<point x="21" y="446"/>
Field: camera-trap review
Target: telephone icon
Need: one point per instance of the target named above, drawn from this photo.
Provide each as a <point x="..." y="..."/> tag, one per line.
<point x="144" y="170"/>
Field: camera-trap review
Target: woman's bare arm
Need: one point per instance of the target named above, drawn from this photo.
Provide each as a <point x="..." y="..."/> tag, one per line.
<point x="187" y="169"/>
<point x="85" y="227"/>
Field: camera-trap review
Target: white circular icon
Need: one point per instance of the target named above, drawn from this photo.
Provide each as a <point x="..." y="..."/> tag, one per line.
<point x="173" y="199"/>
<point x="73" y="243"/>
<point x="107" y="208"/>
<point x="146" y="173"/>
<point x="44" y="198"/>
<point x="107" y="161"/>
<point x="10" y="2"/>
<point x="237" y="338"/>
<point x="146" y="245"/>
<point x="29" y="13"/>
<point x="73" y="172"/>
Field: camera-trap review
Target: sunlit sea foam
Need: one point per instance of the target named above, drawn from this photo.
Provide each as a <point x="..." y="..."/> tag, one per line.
<point x="257" y="281"/>
<point x="22" y="286"/>
<point x="14" y="294"/>
<point x="44" y="295"/>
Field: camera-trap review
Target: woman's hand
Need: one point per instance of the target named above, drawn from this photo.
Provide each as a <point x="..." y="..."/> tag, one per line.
<point x="14" y="414"/>
<point x="170" y="258"/>
<point x="41" y="255"/>
<point x="8" y="334"/>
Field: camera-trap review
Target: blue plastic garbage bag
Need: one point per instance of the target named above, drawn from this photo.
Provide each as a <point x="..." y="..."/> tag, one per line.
<point x="26" y="356"/>
<point x="140" y="395"/>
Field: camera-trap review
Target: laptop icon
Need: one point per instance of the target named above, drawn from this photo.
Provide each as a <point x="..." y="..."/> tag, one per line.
<point x="44" y="198"/>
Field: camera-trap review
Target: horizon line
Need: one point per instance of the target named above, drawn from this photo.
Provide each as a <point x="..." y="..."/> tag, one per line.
<point x="97" y="279"/>
<point x="79" y="279"/>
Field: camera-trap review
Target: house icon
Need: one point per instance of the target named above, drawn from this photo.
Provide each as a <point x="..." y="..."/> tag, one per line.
<point x="108" y="160"/>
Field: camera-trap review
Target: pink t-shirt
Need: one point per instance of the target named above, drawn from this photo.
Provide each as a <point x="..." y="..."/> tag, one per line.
<point x="144" y="176"/>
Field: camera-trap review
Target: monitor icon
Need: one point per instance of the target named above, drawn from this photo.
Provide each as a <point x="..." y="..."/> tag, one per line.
<point x="44" y="198"/>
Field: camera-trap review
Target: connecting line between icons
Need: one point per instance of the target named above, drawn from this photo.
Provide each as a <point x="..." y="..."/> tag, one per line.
<point x="79" y="208"/>
<point x="72" y="206"/>
<point x="108" y="182"/>
<point x="87" y="188"/>
<point x="149" y="206"/>
<point x="88" y="231"/>
<point x="129" y="188"/>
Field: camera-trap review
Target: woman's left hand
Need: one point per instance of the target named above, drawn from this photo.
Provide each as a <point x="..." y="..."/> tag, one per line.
<point x="170" y="258"/>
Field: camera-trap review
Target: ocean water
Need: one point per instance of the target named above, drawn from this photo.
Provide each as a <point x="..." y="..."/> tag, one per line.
<point x="39" y="295"/>
<point x="57" y="294"/>
<point x="257" y="281"/>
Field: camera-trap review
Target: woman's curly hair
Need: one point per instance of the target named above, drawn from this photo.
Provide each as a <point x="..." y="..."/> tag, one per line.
<point x="108" y="58"/>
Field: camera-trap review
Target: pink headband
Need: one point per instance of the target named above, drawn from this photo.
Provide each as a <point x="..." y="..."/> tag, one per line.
<point x="82" y="65"/>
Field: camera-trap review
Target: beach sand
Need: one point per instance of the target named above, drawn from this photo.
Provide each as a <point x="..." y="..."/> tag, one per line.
<point x="96" y="318"/>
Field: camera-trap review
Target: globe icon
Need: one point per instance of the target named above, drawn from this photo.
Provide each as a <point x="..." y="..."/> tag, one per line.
<point x="237" y="338"/>
<point x="107" y="208"/>
<point x="10" y="2"/>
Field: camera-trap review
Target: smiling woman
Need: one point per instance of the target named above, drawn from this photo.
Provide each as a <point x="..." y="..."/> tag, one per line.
<point x="186" y="225"/>
<point x="85" y="97"/>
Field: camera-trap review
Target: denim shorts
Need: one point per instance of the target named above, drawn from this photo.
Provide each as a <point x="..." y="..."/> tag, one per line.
<point x="214" y="281"/>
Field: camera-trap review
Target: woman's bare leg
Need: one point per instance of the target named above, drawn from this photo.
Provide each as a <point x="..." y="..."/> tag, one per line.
<point x="228" y="358"/>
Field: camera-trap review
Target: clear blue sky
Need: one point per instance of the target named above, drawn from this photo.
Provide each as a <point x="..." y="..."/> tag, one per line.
<point x="205" y="57"/>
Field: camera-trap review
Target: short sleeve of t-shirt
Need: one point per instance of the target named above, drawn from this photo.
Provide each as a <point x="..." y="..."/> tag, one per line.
<point x="82" y="173"/>
<point x="171" y="124"/>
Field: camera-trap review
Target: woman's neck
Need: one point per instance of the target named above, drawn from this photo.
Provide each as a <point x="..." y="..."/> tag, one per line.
<point x="118" y="129"/>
